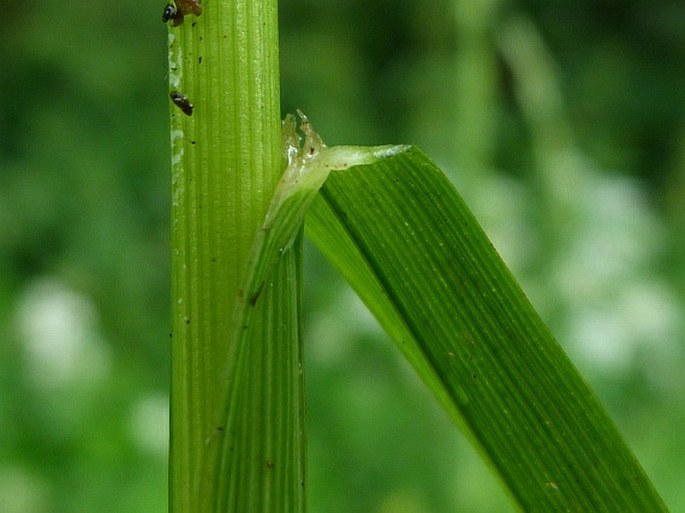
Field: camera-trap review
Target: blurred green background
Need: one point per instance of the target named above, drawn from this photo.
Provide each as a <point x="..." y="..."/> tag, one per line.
<point x="562" y="124"/>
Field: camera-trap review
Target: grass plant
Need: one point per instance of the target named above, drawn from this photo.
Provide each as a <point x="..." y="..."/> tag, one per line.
<point x="399" y="232"/>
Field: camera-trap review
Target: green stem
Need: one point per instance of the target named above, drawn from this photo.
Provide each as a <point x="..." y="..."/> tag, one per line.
<point x="226" y="161"/>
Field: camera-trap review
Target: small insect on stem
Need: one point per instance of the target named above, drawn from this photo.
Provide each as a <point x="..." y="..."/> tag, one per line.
<point x="182" y="8"/>
<point x="182" y="102"/>
<point x="171" y="13"/>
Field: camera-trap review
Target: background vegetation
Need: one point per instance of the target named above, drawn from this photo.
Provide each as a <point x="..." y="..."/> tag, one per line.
<point x="562" y="125"/>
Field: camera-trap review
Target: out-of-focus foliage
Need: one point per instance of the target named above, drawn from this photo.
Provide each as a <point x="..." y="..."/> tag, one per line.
<point x="563" y="125"/>
<point x="84" y="294"/>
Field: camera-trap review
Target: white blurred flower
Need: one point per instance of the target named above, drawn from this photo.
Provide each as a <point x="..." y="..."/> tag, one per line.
<point x="58" y="328"/>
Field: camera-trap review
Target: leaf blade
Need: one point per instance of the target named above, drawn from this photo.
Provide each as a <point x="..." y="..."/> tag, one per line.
<point x="404" y="239"/>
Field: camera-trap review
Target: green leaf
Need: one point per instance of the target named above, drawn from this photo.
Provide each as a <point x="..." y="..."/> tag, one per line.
<point x="406" y="242"/>
<point x="401" y="235"/>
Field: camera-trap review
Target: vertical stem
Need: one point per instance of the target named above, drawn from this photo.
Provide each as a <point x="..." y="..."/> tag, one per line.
<point x="226" y="160"/>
